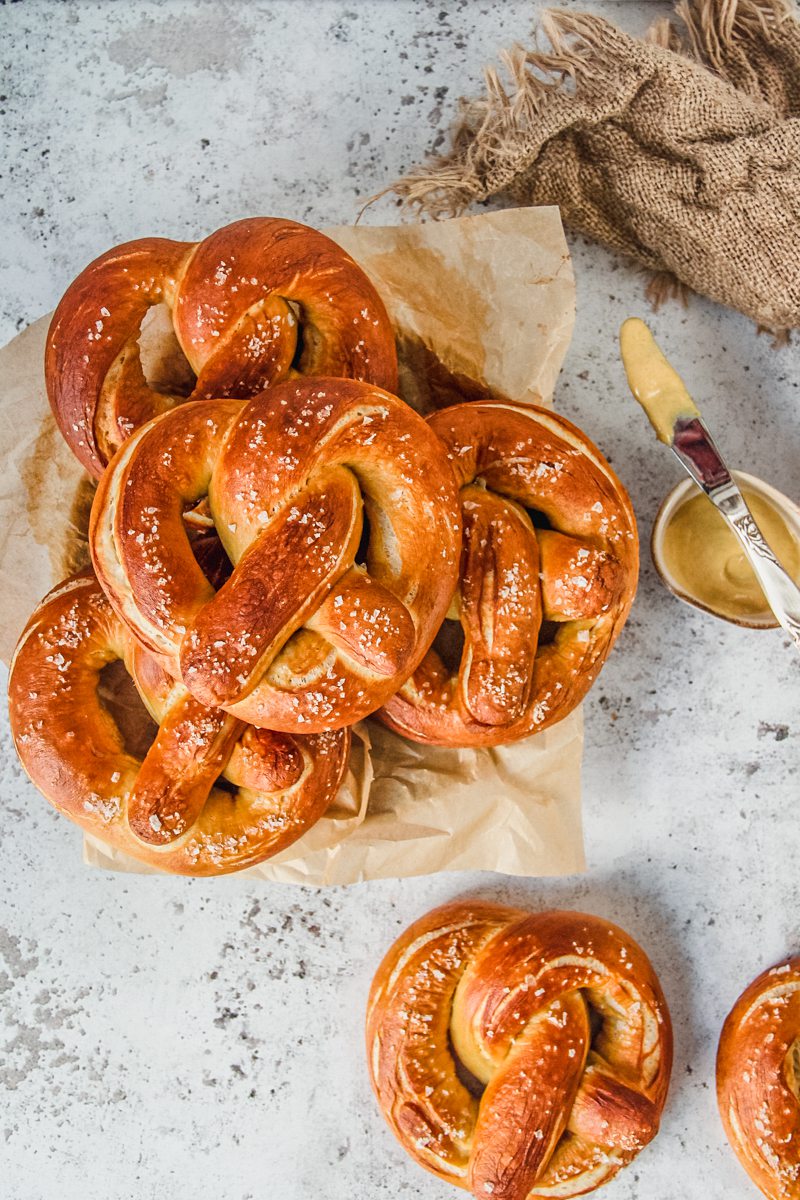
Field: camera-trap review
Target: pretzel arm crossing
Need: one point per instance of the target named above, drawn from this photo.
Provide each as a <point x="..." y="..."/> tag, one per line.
<point x="254" y="614"/>
<point x="548" y="575"/>
<point x="338" y="509"/>
<point x="168" y="810"/>
<point x="254" y="303"/>
<point x="264" y="295"/>
<point x="519" y="1126"/>
<point x="519" y="1055"/>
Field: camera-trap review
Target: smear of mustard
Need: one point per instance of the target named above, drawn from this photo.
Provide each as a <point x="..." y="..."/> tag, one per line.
<point x="705" y="559"/>
<point x="654" y="382"/>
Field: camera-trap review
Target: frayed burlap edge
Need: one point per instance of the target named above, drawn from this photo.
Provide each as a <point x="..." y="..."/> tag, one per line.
<point x="491" y="133"/>
<point x="489" y="137"/>
<point x="713" y="26"/>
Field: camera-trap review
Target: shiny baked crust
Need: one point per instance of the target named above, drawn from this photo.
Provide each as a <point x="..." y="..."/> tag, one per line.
<point x="167" y="810"/>
<point x="256" y="301"/>
<point x="539" y="608"/>
<point x="557" y="1016"/>
<point x="758" y="1080"/>
<point x="310" y="632"/>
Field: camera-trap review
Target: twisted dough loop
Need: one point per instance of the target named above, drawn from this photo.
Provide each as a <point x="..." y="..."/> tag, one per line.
<point x="167" y="810"/>
<point x="256" y="301"/>
<point x="517" y="997"/>
<point x="758" y="1080"/>
<point x="303" y="636"/>
<point x="539" y="608"/>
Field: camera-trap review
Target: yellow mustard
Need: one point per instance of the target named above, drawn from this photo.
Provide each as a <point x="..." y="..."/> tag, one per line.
<point x="705" y="560"/>
<point x="653" y="380"/>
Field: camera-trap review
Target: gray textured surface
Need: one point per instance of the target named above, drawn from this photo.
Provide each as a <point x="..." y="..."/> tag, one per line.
<point x="203" y="1040"/>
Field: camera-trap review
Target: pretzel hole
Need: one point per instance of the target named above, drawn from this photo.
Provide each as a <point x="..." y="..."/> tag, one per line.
<point x="596" y="1020"/>
<point x="547" y="632"/>
<point x="299" y="345"/>
<point x="164" y="365"/>
<point x="538" y="518"/>
<point x="607" y="1023"/>
<point x="449" y="645"/>
<point x="221" y="784"/>
<point x="363" y="542"/>
<point x="309" y="341"/>
<point x="205" y="544"/>
<point x="118" y="696"/>
<point x="471" y="1082"/>
<point x="791" y="1068"/>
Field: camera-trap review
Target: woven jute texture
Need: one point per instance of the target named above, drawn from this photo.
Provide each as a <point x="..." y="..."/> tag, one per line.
<point x="682" y="151"/>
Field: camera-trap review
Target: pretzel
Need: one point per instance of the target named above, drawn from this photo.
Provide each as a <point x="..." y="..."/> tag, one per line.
<point x="548" y="575"/>
<point x="518" y="1054"/>
<point x="168" y="809"/>
<point x="256" y="301"/>
<point x="303" y="636"/>
<point x="758" y="1080"/>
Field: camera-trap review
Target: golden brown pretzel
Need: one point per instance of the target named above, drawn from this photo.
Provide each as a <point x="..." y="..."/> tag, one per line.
<point x="252" y="303"/>
<point x="758" y="1080"/>
<point x="539" y="607"/>
<point x="519" y="1054"/>
<point x="168" y="810"/>
<point x="301" y="637"/>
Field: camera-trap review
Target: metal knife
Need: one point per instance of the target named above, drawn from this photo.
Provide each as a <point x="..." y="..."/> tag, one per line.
<point x="660" y="390"/>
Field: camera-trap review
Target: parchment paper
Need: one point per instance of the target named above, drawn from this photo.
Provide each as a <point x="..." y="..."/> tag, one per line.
<point x="483" y="304"/>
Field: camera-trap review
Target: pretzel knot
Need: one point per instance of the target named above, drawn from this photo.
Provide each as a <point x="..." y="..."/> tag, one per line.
<point x="336" y="504"/>
<point x="210" y="796"/>
<point x="548" y="575"/>
<point x="758" y="1080"/>
<point x="519" y="1054"/>
<point x="256" y="301"/>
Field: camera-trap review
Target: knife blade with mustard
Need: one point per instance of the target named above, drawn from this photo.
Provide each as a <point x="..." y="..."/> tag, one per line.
<point x="678" y="423"/>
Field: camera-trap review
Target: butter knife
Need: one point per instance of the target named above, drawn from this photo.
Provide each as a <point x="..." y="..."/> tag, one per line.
<point x="677" y="421"/>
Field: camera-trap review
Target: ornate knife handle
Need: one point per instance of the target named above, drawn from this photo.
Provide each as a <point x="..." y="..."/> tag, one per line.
<point x="780" y="589"/>
<point x="695" y="447"/>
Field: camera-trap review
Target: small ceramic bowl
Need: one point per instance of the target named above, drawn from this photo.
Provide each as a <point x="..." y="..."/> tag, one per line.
<point x="684" y="491"/>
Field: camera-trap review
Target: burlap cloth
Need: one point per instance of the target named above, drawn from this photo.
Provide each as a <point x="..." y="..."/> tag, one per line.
<point x="682" y="151"/>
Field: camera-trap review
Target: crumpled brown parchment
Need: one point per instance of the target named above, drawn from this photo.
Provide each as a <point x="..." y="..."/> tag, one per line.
<point x="481" y="304"/>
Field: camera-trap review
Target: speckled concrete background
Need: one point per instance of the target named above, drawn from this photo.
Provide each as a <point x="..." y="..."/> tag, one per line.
<point x="170" y="1038"/>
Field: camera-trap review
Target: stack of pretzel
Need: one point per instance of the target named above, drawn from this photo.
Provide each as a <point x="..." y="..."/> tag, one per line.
<point x="282" y="547"/>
